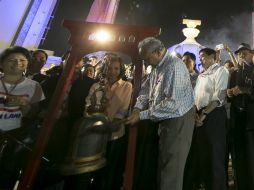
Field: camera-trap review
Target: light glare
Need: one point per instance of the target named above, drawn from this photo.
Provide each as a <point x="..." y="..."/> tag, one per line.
<point x="102" y="36"/>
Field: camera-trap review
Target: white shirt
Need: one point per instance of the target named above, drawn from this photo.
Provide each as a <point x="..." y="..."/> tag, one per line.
<point x="10" y="116"/>
<point x="211" y="86"/>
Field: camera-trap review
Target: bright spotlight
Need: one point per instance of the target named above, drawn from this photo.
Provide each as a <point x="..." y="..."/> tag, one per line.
<point x="102" y="36"/>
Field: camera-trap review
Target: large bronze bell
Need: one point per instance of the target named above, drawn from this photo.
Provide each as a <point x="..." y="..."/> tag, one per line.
<point x="87" y="152"/>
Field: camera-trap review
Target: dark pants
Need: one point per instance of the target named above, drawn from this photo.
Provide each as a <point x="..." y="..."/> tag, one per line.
<point x="197" y="168"/>
<point x="250" y="144"/>
<point x="146" y="158"/>
<point x="250" y="158"/>
<point x="12" y="158"/>
<point x="239" y="156"/>
<point x="114" y="170"/>
<point x="206" y="161"/>
<point x="175" y="137"/>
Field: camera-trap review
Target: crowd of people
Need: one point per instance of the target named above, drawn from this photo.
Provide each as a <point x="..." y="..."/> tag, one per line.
<point x="201" y="117"/>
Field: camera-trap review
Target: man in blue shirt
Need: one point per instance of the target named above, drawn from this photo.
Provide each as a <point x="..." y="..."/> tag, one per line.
<point x="166" y="97"/>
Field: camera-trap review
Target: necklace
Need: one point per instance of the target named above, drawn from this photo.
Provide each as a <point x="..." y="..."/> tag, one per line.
<point x="8" y="92"/>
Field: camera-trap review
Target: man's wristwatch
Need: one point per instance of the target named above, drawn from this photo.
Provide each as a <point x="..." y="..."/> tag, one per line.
<point x="204" y="112"/>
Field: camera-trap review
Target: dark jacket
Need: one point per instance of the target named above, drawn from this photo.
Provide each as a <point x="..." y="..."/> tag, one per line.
<point x="244" y="78"/>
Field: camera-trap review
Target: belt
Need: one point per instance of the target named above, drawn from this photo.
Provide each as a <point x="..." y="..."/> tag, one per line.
<point x="240" y="109"/>
<point x="200" y="111"/>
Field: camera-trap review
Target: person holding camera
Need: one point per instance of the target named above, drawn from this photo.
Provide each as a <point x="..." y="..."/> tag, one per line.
<point x="225" y="47"/>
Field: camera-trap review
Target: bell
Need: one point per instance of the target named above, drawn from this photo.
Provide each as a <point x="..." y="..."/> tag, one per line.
<point x="88" y="148"/>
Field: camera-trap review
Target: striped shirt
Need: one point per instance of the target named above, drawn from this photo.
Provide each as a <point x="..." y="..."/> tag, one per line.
<point x="167" y="92"/>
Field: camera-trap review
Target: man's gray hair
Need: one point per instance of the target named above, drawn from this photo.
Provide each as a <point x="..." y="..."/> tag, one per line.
<point x="149" y="45"/>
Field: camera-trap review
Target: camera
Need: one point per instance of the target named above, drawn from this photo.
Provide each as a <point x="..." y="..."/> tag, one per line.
<point x="3" y="99"/>
<point x="219" y="47"/>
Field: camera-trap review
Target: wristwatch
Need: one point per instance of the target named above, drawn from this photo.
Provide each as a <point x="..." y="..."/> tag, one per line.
<point x="204" y="112"/>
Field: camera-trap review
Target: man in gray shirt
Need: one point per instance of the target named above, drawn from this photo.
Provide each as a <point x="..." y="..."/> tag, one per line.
<point x="166" y="97"/>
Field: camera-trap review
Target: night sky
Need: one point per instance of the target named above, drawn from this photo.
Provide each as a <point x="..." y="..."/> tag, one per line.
<point x="223" y="21"/>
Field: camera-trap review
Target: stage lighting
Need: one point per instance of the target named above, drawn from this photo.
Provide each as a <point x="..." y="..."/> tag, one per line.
<point x="102" y="36"/>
